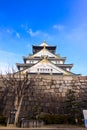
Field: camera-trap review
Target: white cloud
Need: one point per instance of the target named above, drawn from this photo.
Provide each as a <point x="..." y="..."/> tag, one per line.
<point x="8" y="60"/>
<point x="70" y="35"/>
<point x="6" y="54"/>
<point x="3" y="67"/>
<point x="28" y="45"/>
<point x="33" y="33"/>
<point x="59" y="27"/>
<point x="8" y="33"/>
<point x="24" y="26"/>
<point x="6" y="68"/>
<point x="78" y="34"/>
<point x="38" y="35"/>
<point x="64" y="36"/>
<point x="8" y="30"/>
<point x="5" y="33"/>
<point x="30" y="31"/>
<point x="18" y="35"/>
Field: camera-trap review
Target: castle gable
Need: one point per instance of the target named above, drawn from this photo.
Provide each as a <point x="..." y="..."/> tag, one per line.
<point x="44" y="52"/>
<point x="44" y="66"/>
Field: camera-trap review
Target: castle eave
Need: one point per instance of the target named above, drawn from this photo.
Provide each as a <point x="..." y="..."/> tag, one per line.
<point x="65" y="65"/>
<point x="24" y="65"/>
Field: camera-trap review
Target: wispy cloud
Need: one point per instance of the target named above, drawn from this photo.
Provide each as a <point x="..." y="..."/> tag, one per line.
<point x="28" y="46"/>
<point x="8" y="60"/>
<point x="67" y="34"/>
<point x="6" y="68"/>
<point x="8" y="30"/>
<point x="69" y="37"/>
<point x="18" y="35"/>
<point x="60" y="32"/>
<point x="5" y="32"/>
<point x="59" y="27"/>
<point x="7" y="54"/>
<point x="24" y="26"/>
<point x="78" y="34"/>
<point x="32" y="33"/>
<point x="38" y="34"/>
<point x="8" y="33"/>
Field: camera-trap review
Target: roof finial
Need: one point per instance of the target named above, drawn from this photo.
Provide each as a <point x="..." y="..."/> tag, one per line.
<point x="44" y="41"/>
<point x="44" y="46"/>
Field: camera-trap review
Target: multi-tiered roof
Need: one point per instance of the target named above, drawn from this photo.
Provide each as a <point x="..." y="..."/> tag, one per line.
<point x="44" y="60"/>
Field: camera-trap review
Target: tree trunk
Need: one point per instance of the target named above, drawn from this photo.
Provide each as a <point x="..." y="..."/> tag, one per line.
<point x="18" y="110"/>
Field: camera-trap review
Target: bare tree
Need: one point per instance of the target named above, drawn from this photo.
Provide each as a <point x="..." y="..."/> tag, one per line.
<point x="18" y="82"/>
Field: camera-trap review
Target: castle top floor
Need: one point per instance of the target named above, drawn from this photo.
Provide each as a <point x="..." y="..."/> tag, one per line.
<point x="36" y="49"/>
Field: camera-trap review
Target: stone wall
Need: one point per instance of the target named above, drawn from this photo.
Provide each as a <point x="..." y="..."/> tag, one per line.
<point x="46" y="93"/>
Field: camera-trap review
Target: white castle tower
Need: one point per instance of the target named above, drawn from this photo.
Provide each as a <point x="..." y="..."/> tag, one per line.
<point x="44" y="60"/>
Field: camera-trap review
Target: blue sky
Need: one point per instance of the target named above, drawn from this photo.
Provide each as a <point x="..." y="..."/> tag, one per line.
<point x="60" y="22"/>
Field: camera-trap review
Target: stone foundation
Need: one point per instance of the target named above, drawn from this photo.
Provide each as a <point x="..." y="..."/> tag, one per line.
<point x="46" y="93"/>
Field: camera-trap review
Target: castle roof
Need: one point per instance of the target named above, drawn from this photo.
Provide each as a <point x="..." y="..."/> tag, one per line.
<point x="36" y="49"/>
<point x="44" y="52"/>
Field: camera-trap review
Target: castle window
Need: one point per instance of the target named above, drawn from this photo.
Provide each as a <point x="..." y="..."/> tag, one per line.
<point x="21" y="68"/>
<point x="44" y="70"/>
<point x="32" y="93"/>
<point x="67" y="69"/>
<point x="38" y="69"/>
<point x="51" y="70"/>
<point x="27" y="61"/>
<point x="61" y="62"/>
<point x="57" y="62"/>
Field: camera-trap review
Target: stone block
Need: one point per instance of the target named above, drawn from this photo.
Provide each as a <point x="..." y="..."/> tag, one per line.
<point x="58" y="81"/>
<point x="46" y="91"/>
<point x="65" y="89"/>
<point x="57" y="86"/>
<point x="69" y="81"/>
<point x="44" y="83"/>
<point x="40" y="83"/>
<point x="51" y="90"/>
<point x="82" y="86"/>
<point x="48" y="87"/>
<point x="60" y="90"/>
<point x="52" y="86"/>
<point x="63" y="94"/>
<point x="67" y="78"/>
<point x="56" y="90"/>
<point x="82" y="81"/>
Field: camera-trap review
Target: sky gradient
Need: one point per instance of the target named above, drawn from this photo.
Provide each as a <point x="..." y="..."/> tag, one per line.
<point x="60" y="22"/>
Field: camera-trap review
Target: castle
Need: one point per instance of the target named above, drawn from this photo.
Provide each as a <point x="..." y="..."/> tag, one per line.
<point x="44" y="60"/>
<point x="46" y="87"/>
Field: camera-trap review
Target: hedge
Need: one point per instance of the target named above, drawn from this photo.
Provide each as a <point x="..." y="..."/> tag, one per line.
<point x="3" y="120"/>
<point x="58" y="119"/>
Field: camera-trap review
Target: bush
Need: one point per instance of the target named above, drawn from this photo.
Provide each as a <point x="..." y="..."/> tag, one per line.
<point x="58" y="119"/>
<point x="3" y="120"/>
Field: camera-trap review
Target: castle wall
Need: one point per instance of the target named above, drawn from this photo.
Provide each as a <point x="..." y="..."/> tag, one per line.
<point x="46" y="93"/>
